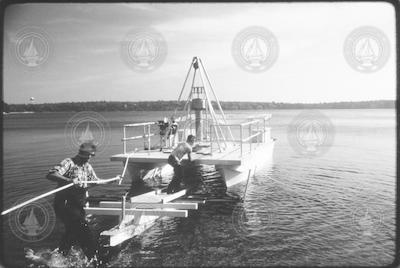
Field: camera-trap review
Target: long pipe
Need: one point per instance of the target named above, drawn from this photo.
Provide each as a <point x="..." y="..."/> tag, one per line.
<point x="36" y="198"/>
<point x="65" y="187"/>
<point x="53" y="192"/>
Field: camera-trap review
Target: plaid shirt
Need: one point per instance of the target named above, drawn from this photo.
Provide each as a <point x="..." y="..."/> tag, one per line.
<point x="69" y="169"/>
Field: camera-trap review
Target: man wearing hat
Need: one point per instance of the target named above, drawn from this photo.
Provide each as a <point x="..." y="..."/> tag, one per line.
<point x="69" y="203"/>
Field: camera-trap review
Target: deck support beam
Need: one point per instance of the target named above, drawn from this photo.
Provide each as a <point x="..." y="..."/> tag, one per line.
<point x="111" y="204"/>
<point x="138" y="211"/>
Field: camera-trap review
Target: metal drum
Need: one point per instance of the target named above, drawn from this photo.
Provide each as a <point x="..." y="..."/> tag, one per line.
<point x="198" y="104"/>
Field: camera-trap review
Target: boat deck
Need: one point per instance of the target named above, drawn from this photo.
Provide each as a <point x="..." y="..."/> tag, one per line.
<point x="229" y="157"/>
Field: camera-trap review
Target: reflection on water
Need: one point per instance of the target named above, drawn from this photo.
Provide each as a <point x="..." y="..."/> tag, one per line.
<point x="336" y="209"/>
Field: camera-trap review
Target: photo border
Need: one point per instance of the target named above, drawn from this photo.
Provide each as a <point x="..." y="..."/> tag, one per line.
<point x="5" y="3"/>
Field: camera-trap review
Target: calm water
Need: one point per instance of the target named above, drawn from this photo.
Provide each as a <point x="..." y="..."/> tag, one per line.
<point x="335" y="209"/>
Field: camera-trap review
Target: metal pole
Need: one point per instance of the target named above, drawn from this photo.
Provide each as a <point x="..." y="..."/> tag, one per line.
<point x="241" y="141"/>
<point x="211" y="141"/>
<point x="183" y="87"/>
<point x="245" y="190"/>
<point x="216" y="98"/>
<point x="144" y="137"/>
<point x="264" y="130"/>
<point x="123" y="172"/>
<point x="124" y="144"/>
<point x="250" y="134"/>
<point x="87" y="196"/>
<point x="213" y="115"/>
<point x="123" y="207"/>
<point x="149" y="138"/>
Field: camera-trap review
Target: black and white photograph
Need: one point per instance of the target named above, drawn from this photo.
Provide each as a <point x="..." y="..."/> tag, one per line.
<point x="213" y="134"/>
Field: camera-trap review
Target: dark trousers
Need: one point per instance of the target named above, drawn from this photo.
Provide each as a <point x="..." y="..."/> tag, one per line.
<point x="77" y="230"/>
<point x="178" y="173"/>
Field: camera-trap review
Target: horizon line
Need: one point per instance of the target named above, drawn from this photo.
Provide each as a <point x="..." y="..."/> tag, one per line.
<point x="308" y="103"/>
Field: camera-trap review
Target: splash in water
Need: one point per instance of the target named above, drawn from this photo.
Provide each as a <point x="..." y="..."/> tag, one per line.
<point x="54" y="259"/>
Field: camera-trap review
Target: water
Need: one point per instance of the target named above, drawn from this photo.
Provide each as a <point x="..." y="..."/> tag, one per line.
<point x="334" y="209"/>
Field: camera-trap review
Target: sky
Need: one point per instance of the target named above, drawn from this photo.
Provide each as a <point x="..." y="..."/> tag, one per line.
<point x="85" y="62"/>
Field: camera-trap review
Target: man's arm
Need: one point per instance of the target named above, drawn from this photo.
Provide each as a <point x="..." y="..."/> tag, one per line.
<point x="93" y="177"/>
<point x="189" y="153"/>
<point x="57" y="173"/>
<point x="57" y="177"/>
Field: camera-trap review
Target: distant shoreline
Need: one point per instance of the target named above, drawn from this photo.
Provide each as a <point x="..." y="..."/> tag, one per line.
<point x="103" y="106"/>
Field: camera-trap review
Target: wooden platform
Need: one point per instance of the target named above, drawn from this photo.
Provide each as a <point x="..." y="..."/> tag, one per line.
<point x="140" y="213"/>
<point x="229" y="157"/>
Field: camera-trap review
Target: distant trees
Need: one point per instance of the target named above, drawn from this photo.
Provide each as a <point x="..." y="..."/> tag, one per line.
<point x="159" y="105"/>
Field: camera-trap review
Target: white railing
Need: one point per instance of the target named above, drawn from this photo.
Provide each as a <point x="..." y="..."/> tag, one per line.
<point x="253" y="130"/>
<point x="146" y="134"/>
<point x="258" y="134"/>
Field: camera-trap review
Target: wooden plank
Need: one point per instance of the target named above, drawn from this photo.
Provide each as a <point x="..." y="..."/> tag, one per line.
<point x="117" y="235"/>
<point x="110" y="204"/>
<point x="155" y="197"/>
<point x="144" y="212"/>
<point x="190" y="200"/>
<point x="169" y="197"/>
<point x="233" y="177"/>
<point x="150" y="197"/>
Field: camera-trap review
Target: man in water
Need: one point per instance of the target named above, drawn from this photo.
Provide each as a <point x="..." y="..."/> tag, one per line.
<point x="69" y="203"/>
<point x="175" y="159"/>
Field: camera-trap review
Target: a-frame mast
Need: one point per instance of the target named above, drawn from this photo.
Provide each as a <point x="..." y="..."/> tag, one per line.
<point x="199" y="104"/>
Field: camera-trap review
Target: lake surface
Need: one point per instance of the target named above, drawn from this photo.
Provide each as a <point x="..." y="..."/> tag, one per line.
<point x="337" y="208"/>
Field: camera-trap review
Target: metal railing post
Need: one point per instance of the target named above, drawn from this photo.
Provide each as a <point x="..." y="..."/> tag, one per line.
<point x="149" y="138"/>
<point x="264" y="130"/>
<point x="241" y="141"/>
<point x="144" y="137"/>
<point x="124" y="143"/>
<point x="250" y="134"/>
<point x="211" y="141"/>
<point x="123" y="207"/>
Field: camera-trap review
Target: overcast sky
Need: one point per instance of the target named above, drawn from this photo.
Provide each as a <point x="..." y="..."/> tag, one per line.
<point x="86" y="64"/>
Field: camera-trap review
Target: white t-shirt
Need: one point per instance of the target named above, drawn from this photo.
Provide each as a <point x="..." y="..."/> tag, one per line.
<point x="182" y="149"/>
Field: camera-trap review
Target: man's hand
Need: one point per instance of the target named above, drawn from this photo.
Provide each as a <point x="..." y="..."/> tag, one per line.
<point x="77" y="182"/>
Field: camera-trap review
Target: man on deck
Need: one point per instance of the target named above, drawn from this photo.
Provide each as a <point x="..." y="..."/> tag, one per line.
<point x="172" y="133"/>
<point x="175" y="159"/>
<point x="69" y="203"/>
<point x="163" y="126"/>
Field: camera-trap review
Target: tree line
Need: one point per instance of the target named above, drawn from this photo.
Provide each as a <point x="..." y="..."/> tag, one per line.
<point x="102" y="106"/>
